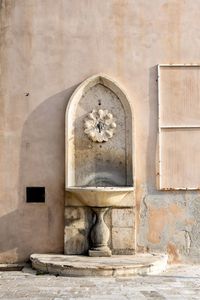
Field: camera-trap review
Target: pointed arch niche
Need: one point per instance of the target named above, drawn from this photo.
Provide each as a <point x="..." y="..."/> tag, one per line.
<point x="90" y="163"/>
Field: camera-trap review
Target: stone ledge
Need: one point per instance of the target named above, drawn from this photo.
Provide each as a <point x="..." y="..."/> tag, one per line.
<point x="11" y="267"/>
<point x="116" y="265"/>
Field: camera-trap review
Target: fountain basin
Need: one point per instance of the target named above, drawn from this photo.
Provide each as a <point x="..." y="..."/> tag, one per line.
<point x="100" y="199"/>
<point x="100" y="196"/>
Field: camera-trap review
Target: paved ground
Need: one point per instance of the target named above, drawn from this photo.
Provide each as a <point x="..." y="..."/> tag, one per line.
<point x="178" y="282"/>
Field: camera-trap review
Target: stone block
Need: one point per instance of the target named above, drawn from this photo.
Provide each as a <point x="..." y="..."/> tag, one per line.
<point x="78" y="222"/>
<point x="76" y="241"/>
<point x="78" y="217"/>
<point x="123" y="217"/>
<point x="123" y="238"/>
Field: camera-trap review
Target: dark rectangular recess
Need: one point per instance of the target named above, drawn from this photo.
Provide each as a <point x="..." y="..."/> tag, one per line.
<point x="35" y="194"/>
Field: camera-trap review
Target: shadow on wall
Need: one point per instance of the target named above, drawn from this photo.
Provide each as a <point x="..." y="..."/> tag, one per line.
<point x="39" y="227"/>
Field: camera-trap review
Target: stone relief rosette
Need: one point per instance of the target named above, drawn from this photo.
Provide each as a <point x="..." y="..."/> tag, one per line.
<point x="99" y="125"/>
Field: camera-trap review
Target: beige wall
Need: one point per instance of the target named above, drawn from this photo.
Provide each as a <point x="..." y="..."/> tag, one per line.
<point x="47" y="48"/>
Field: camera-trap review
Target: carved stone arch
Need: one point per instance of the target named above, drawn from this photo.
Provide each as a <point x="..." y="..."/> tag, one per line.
<point x="80" y="151"/>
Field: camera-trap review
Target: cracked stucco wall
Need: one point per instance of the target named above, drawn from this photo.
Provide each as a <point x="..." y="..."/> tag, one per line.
<point x="170" y="223"/>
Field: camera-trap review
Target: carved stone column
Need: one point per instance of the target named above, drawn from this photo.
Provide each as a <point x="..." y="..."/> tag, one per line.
<point x="100" y="234"/>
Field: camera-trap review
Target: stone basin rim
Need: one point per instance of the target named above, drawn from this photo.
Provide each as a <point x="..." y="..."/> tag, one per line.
<point x="101" y="188"/>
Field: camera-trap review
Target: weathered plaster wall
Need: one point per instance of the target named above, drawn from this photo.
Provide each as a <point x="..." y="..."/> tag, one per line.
<point x="47" y="48"/>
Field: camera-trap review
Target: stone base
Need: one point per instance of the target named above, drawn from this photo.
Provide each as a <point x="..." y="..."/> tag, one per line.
<point x="117" y="265"/>
<point x="100" y="253"/>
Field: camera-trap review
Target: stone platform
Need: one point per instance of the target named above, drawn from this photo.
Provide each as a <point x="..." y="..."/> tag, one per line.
<point x="116" y="265"/>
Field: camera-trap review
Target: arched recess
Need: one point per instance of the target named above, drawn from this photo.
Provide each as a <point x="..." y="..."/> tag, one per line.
<point x="90" y="163"/>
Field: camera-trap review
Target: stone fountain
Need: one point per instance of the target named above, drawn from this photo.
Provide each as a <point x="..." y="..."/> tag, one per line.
<point x="99" y="168"/>
<point x="99" y="176"/>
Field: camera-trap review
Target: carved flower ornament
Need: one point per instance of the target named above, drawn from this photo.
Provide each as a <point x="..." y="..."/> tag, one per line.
<point x="99" y="125"/>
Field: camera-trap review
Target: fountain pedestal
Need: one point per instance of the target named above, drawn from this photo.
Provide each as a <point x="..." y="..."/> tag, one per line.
<point x="100" y="234"/>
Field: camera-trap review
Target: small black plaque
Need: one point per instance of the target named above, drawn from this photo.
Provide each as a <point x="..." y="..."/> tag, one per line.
<point x="35" y="194"/>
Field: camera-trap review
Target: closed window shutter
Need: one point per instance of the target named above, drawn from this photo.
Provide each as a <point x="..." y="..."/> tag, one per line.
<point x="179" y="126"/>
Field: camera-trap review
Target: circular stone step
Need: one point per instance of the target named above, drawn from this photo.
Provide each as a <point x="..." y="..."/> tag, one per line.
<point x="116" y="265"/>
